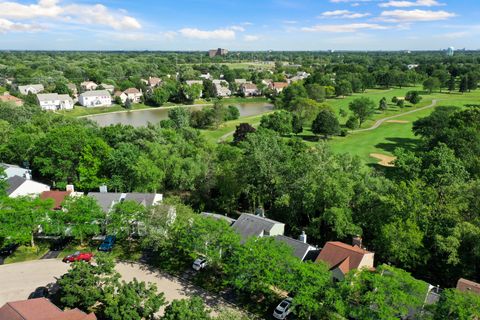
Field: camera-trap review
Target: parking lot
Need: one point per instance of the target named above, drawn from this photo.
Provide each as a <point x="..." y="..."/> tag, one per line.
<point x="18" y="280"/>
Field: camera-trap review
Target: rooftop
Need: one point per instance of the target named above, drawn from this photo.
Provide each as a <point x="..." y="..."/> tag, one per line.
<point x="249" y="225"/>
<point x="300" y="248"/>
<point x="40" y="309"/>
<point x="341" y="255"/>
<point x="95" y="93"/>
<point x="465" y="285"/>
<point x="58" y="197"/>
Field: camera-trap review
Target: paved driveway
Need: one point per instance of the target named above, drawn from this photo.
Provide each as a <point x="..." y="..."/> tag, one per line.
<point x="18" y="280"/>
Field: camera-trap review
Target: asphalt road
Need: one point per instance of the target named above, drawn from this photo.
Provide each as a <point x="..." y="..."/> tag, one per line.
<point x="52" y="254"/>
<point x="18" y="280"/>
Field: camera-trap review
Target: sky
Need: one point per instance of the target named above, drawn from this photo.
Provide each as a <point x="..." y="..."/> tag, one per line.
<point x="239" y="25"/>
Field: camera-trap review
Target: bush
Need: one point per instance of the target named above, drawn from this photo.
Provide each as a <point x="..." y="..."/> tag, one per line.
<point x="343" y="132"/>
<point x="352" y="123"/>
<point x="394" y="100"/>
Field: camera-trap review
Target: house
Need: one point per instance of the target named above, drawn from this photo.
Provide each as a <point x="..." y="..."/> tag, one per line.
<point x="250" y="90"/>
<point x="123" y="97"/>
<point x="18" y="187"/>
<point x="192" y="82"/>
<point x="153" y="82"/>
<point x="301" y="75"/>
<point x="8" y="98"/>
<point x="58" y="197"/>
<point x="107" y="200"/>
<point x="216" y="216"/>
<point x="249" y="225"/>
<point x="40" y="309"/>
<point x="217" y="52"/>
<point x="134" y="95"/>
<point x="54" y="101"/>
<point x="96" y="98"/>
<point x="12" y="170"/>
<point x="73" y="88"/>
<point x="465" y="285"/>
<point x="342" y="258"/>
<point x="412" y="66"/>
<point x="31" y="88"/>
<point x="88" y="86"/>
<point x="278" y="86"/>
<point x="206" y="76"/>
<point x="221" y="88"/>
<point x="267" y="82"/>
<point x="109" y="87"/>
<point x="301" y="249"/>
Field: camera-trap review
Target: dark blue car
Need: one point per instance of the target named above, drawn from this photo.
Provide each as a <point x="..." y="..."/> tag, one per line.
<point x="107" y="244"/>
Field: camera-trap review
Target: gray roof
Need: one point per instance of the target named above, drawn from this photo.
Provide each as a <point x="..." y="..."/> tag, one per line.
<point x="218" y="217"/>
<point x="38" y="87"/>
<point x="107" y="200"/>
<point x="300" y="248"/>
<point x="95" y="93"/>
<point x="14" y="183"/>
<point x="249" y="225"/>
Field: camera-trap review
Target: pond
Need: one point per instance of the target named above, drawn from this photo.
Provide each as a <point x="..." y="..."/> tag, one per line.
<point x="140" y="118"/>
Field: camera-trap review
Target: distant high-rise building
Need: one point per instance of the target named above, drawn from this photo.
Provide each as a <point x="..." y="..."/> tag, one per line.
<point x="217" y="52"/>
<point x="450" y="51"/>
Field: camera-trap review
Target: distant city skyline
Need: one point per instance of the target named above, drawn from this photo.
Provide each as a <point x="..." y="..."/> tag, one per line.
<point x="200" y="25"/>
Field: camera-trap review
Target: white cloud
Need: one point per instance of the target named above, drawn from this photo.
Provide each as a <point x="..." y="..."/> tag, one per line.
<point x="52" y="10"/>
<point x="406" y="4"/>
<point x="251" y="38"/>
<point x="343" y="28"/>
<point x="8" y="26"/>
<point x="289" y="22"/>
<point x="218" y="34"/>
<point x="238" y="28"/>
<point x="415" y="15"/>
<point x="344" y="14"/>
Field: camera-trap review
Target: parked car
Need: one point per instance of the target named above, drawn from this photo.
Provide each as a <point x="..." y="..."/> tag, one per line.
<point x="79" y="256"/>
<point x="107" y="244"/>
<point x="283" y="309"/>
<point x="199" y="264"/>
<point x="40" y="292"/>
<point x="8" y="249"/>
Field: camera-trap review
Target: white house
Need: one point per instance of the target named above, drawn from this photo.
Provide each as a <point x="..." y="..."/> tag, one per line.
<point x="123" y="97"/>
<point x="134" y="95"/>
<point x="55" y="101"/>
<point x="31" y="88"/>
<point x="206" y="76"/>
<point x="221" y="88"/>
<point x="250" y="90"/>
<point x="88" y="85"/>
<point x="19" y="187"/>
<point x="12" y="170"/>
<point x="96" y="98"/>
<point x="192" y="82"/>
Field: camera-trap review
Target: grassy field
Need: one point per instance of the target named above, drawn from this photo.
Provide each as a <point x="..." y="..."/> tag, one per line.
<point x="389" y="136"/>
<point x="24" y="253"/>
<point x="79" y="111"/>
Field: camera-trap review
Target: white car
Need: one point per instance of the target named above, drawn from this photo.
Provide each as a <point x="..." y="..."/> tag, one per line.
<point x="199" y="264"/>
<point x="283" y="309"/>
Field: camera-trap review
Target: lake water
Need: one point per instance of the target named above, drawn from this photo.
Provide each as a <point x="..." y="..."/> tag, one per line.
<point x="143" y="117"/>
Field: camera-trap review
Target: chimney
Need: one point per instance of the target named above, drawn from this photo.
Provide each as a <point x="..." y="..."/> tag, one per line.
<point x="103" y="189"/>
<point x="357" y="241"/>
<point x="70" y="188"/>
<point x="303" y="237"/>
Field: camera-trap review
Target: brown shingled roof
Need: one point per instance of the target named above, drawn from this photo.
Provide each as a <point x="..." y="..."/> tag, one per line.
<point x="342" y="256"/>
<point x="57" y="196"/>
<point x="131" y="91"/>
<point x="465" y="285"/>
<point x="40" y="309"/>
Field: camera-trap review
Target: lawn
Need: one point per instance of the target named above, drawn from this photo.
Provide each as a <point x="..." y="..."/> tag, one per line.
<point x="124" y="250"/>
<point x="389" y="136"/>
<point x="26" y="253"/>
<point x="79" y="111"/>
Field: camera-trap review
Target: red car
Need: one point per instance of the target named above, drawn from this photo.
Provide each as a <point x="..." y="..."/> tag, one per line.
<point x="79" y="256"/>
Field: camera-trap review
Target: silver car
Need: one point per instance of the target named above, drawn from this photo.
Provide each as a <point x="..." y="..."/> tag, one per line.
<point x="283" y="309"/>
<point x="199" y="264"/>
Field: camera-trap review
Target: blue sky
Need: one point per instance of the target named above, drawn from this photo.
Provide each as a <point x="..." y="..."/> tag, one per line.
<point x="239" y="25"/>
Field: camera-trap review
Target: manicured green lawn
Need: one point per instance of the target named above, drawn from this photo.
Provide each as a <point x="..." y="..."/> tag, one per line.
<point x="125" y="250"/>
<point x="79" y="111"/>
<point x="26" y="253"/>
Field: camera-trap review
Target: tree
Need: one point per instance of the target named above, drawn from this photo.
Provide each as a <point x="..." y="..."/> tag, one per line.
<point x="401" y="103"/>
<point x="160" y="95"/>
<point x="209" y="90"/>
<point x="413" y="97"/>
<point x="123" y="215"/>
<point x="316" y="92"/>
<point x="363" y="108"/>
<point x="180" y="117"/>
<point x="132" y="301"/>
<point x="352" y="123"/>
<point x="463" y="84"/>
<point x="241" y="132"/>
<point x="387" y="293"/>
<point x="191" y="92"/>
<point x="343" y="88"/>
<point x="128" y="104"/>
<point x="431" y="84"/>
<point x="326" y="123"/>
<point x="454" y="304"/>
<point x="297" y="125"/>
<point x="452" y="84"/>
<point x="383" y="105"/>
<point x="186" y="309"/>
<point x="306" y="109"/>
<point x="232" y="113"/>
<point x="279" y="121"/>
<point x="82" y="215"/>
